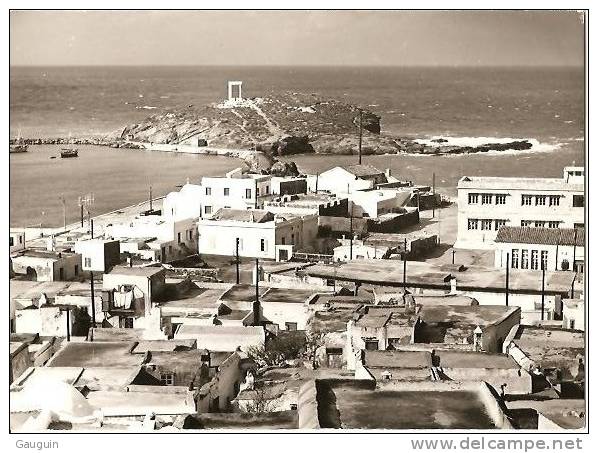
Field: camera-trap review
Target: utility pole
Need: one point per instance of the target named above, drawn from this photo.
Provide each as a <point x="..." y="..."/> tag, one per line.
<point x="405" y="267"/>
<point x="360" y="132"/>
<point x="63" y="210"/>
<point x="434" y="193"/>
<point x="574" y="267"/>
<point x="453" y="256"/>
<point x="92" y="228"/>
<point x="351" y="233"/>
<point x="507" y="283"/>
<point x="68" y="324"/>
<point x="237" y="260"/>
<point x="150" y="198"/>
<point x="93" y="302"/>
<point x="543" y="283"/>
<point x="256" y="304"/>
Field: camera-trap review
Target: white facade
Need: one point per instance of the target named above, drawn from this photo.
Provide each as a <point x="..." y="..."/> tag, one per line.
<point x="17" y="240"/>
<point x="374" y="203"/>
<point x="234" y="191"/>
<point x="256" y="239"/>
<point x="185" y="204"/>
<point x="175" y="238"/>
<point x="98" y="255"/>
<point x="487" y="203"/>
<point x="530" y="256"/>
<point x="574" y="314"/>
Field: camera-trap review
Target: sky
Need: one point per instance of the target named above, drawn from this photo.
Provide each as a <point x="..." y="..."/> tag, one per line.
<point x="355" y="38"/>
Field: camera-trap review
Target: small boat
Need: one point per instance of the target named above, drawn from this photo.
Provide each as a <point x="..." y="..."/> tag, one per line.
<point x="69" y="152"/>
<point x="18" y="148"/>
<point x="19" y="145"/>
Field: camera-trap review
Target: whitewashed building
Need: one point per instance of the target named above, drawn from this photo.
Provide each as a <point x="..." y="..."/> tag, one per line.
<point x="488" y="203"/>
<point x="533" y="248"/>
<point x="348" y="179"/>
<point x="261" y="234"/>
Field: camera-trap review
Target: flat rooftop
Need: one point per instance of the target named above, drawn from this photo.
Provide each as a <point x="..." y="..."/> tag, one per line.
<point x="551" y="347"/>
<point x="289" y="295"/>
<point x="164" y="345"/>
<point x="471" y="359"/>
<point x="359" y="405"/>
<point x="420" y="274"/>
<point x="567" y="413"/>
<point x="146" y="271"/>
<point x="242" y="293"/>
<point x="517" y="183"/>
<point x="96" y="354"/>
<point x="128" y="403"/>
<point x="473" y="315"/>
<point x="397" y="359"/>
<point x="242" y="421"/>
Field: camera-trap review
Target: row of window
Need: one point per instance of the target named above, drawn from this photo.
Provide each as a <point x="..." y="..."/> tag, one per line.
<point x="541" y="223"/>
<point x="485" y="224"/>
<point x="226" y="191"/>
<point x="523" y="259"/>
<point x="540" y="200"/>
<point x="474" y="198"/>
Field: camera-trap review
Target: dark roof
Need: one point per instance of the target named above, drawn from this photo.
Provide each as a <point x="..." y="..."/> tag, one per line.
<point x="545" y="236"/>
<point x="243" y="215"/>
<point x="362" y="170"/>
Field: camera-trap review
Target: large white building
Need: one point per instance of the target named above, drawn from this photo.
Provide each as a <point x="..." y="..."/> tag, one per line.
<point x="261" y="234"/>
<point x="534" y="248"/>
<point x="487" y="203"/>
<point x="236" y="190"/>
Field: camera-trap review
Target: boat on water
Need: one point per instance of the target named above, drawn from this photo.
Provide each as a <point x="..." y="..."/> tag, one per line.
<point x="18" y="148"/>
<point x="19" y="145"/>
<point x="69" y="152"/>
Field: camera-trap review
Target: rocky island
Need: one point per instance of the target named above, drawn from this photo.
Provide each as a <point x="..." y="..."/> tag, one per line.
<point x="277" y="125"/>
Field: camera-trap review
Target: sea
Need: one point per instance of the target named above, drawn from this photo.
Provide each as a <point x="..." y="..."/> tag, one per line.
<point x="466" y="105"/>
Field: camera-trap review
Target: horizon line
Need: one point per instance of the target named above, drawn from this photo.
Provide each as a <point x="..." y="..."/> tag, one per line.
<point x="297" y="65"/>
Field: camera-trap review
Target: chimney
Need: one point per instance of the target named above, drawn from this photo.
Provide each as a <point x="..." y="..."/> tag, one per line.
<point x="453" y="285"/>
<point x="50" y="243"/>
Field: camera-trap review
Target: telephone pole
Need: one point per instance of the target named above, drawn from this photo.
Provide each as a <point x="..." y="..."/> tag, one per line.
<point x="360" y="132"/>
<point x="63" y="201"/>
<point x="507" y="283"/>
<point x="237" y="259"/>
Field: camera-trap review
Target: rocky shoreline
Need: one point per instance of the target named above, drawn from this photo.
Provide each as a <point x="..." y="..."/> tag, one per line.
<point x="279" y="125"/>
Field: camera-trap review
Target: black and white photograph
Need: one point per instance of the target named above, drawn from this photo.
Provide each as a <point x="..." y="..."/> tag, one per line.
<point x="298" y="221"/>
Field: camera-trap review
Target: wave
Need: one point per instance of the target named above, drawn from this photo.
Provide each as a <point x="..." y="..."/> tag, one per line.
<point x="145" y="107"/>
<point x="473" y="142"/>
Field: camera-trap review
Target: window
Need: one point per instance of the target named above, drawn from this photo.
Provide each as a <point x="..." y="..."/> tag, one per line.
<point x="267" y="190"/>
<point x="539" y="224"/>
<point x="61" y="273"/>
<point x="247" y="193"/>
<point x="578" y="225"/>
<point x="498" y="223"/>
<point x="292" y="238"/>
<point x="257" y="191"/>
<point x="486" y="224"/>
<point x="371" y="345"/>
<point x="291" y="325"/>
<point x="12" y="241"/>
<point x="20" y="239"/>
<point x="554" y="200"/>
<point x="554" y="224"/>
<point x="501" y="199"/>
<point x="262" y="245"/>
<point x="472" y="198"/>
<point x="544" y="259"/>
<point x="126" y="323"/>
<point x="487" y="198"/>
<point x="526" y="200"/>
<point x="578" y="201"/>
<point x="179" y="237"/>
<point x="540" y="200"/>
<point x="535" y="260"/>
<point x="572" y="324"/>
<point x="524" y="259"/>
<point x="526" y="223"/>
<point x="170" y="249"/>
<point x="226" y="191"/>
<point x="208" y="209"/>
<point x="472" y="224"/>
<point x="167" y="378"/>
<point x="284" y="240"/>
<point x="76" y="269"/>
<point x="208" y="191"/>
<point x="515" y="258"/>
